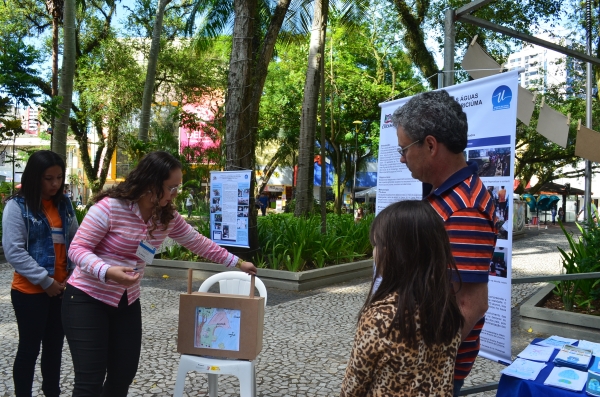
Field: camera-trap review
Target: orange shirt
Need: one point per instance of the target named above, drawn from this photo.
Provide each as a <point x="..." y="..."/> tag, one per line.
<point x="21" y="283"/>
<point x="502" y="195"/>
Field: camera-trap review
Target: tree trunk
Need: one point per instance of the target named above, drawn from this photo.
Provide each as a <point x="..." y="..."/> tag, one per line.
<point x="247" y="74"/>
<point x="414" y="38"/>
<point x="59" y="139"/>
<point x="151" y="71"/>
<point x="308" y="122"/>
<point x="323" y="192"/>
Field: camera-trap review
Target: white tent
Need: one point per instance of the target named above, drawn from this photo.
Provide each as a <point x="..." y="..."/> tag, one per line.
<point x="371" y="192"/>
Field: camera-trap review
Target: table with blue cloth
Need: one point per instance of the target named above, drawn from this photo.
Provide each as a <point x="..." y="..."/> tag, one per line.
<point x="510" y="386"/>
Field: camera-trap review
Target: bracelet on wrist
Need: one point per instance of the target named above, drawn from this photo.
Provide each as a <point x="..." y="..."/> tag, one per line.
<point x="239" y="263"/>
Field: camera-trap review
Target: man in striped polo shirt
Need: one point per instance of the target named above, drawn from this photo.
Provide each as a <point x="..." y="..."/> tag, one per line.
<point x="432" y="135"/>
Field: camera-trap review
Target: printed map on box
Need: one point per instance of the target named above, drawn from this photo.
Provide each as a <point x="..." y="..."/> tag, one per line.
<point x="217" y="328"/>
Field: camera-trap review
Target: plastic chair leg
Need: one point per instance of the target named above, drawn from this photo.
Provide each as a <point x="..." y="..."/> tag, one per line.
<point x="246" y="383"/>
<point x="180" y="382"/>
<point x="213" y="385"/>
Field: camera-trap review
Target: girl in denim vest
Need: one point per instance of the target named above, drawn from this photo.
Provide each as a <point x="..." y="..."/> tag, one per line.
<point x="39" y="224"/>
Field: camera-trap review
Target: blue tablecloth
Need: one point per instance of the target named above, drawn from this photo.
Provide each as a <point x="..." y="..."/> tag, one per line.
<point x="510" y="386"/>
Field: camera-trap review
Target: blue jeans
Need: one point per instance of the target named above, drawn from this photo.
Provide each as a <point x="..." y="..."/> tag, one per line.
<point x="38" y="321"/>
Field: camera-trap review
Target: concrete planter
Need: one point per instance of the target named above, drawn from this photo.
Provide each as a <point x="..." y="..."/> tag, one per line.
<point x="557" y="322"/>
<point x="281" y="279"/>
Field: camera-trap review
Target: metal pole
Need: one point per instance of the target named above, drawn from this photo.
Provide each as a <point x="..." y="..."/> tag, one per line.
<point x="449" y="35"/>
<point x="355" y="161"/>
<point x="588" y="111"/>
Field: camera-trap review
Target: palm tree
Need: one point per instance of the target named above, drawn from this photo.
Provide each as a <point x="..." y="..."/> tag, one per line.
<point x="351" y="13"/>
<point x="55" y="9"/>
<point x="59" y="140"/>
<point x="308" y="123"/>
<point x="255" y="30"/>
<point x="151" y="71"/>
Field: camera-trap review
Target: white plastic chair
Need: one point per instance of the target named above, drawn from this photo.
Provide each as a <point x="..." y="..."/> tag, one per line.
<point x="236" y="283"/>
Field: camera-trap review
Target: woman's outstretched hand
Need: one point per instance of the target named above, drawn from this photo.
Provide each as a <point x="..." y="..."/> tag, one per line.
<point x="122" y="275"/>
<point x="248" y="267"/>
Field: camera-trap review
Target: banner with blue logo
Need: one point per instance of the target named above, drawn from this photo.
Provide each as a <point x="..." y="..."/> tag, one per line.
<point x="230" y="207"/>
<point x="491" y="107"/>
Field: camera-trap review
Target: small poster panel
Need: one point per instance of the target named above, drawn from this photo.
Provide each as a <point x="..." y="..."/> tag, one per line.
<point x="230" y="207"/>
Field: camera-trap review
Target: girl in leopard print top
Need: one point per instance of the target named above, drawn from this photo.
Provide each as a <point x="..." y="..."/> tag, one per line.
<point x="409" y="327"/>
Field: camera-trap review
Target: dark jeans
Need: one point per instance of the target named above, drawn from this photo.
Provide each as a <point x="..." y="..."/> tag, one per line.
<point x="38" y="321"/>
<point x="458" y="384"/>
<point x="263" y="209"/>
<point x="105" y="341"/>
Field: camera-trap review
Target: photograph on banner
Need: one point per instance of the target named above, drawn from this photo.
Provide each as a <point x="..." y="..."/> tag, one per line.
<point x="498" y="264"/>
<point x="491" y="161"/>
<point x="229" y="207"/>
<point x="502" y="204"/>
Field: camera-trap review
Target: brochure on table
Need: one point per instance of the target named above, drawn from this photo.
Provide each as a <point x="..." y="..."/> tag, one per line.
<point x="536" y="353"/>
<point x="230" y="207"/>
<point x="556" y="342"/>
<point x="524" y="369"/>
<point x="567" y="378"/>
<point x="491" y="105"/>
<point x="593" y="384"/>
<point x="574" y="357"/>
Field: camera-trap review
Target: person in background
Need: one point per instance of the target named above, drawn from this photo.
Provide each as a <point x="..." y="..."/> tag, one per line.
<point x="432" y="136"/>
<point x="42" y="224"/>
<point x="189" y="203"/>
<point x="360" y="213"/>
<point x="264" y="203"/>
<point x="408" y="330"/>
<point x="101" y="310"/>
<point x="502" y="202"/>
<point x="553" y="212"/>
<point x="561" y="214"/>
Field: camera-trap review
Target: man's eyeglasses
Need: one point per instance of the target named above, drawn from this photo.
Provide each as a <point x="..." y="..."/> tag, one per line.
<point x="174" y="190"/>
<point x="402" y="150"/>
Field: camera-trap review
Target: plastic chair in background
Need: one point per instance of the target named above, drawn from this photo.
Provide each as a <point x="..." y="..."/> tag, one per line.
<point x="234" y="283"/>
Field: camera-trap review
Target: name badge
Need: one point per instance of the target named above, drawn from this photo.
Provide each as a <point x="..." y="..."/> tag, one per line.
<point x="57" y="235"/>
<point x="145" y="251"/>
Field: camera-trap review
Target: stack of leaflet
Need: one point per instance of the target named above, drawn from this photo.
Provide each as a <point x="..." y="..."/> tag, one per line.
<point x="593" y="381"/>
<point x="573" y="357"/>
<point x="524" y="369"/>
<point x="556" y="342"/>
<point x="594" y="347"/>
<point x="567" y="378"/>
<point x="537" y="353"/>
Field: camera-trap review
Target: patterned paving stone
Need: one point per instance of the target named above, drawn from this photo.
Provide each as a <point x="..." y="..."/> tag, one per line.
<point x="307" y="338"/>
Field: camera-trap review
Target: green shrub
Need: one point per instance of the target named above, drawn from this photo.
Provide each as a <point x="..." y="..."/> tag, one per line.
<point x="296" y="244"/>
<point x="584" y="257"/>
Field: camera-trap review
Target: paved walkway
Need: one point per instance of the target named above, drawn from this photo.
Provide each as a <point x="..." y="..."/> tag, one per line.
<point x="307" y="338"/>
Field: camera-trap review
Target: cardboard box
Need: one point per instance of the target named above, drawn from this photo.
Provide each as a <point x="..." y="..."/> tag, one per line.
<point x="221" y="325"/>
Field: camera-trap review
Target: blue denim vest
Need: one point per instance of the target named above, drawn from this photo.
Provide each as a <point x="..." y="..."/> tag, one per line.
<point x="39" y="233"/>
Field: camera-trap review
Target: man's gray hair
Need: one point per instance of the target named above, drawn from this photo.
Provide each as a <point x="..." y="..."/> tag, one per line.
<point x="434" y="113"/>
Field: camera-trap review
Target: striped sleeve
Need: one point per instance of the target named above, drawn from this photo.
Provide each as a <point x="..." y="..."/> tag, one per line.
<point x="94" y="227"/>
<point x="472" y="240"/>
<point x="468" y="351"/>
<point x="185" y="235"/>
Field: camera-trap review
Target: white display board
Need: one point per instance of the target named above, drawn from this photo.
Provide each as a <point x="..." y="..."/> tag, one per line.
<point x="491" y="107"/>
<point x="230" y="207"/>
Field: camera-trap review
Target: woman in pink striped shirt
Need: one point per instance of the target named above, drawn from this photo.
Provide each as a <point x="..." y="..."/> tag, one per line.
<point x="101" y="308"/>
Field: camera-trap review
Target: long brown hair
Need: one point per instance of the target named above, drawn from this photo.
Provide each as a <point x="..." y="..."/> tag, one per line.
<point x="149" y="175"/>
<point x="414" y="260"/>
<point x="31" y="180"/>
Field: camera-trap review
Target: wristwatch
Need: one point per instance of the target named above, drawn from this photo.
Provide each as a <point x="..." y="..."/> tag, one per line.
<point x="239" y="263"/>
